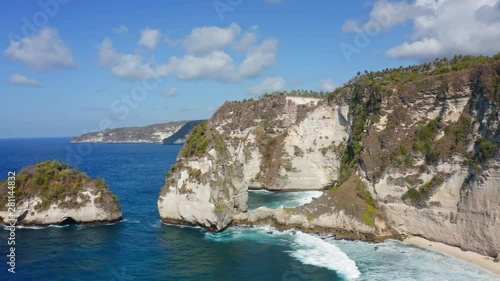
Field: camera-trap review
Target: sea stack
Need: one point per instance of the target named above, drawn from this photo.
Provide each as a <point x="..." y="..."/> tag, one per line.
<point x="52" y="193"/>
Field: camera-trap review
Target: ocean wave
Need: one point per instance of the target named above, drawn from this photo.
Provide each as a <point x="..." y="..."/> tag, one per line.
<point x="130" y="221"/>
<point x="25" y="227"/>
<point x="276" y="200"/>
<point x="259" y="234"/>
<point x="260" y="191"/>
<point x="313" y="250"/>
<point x="306" y="248"/>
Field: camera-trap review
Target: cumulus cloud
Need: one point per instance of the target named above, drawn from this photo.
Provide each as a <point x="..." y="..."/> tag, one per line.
<point x="18" y="79"/>
<point x="170" y="93"/>
<point x="386" y="15"/>
<point x="207" y="56"/>
<point x="440" y="28"/>
<point x="121" y="29"/>
<point x="127" y="66"/>
<point x="259" y="58"/>
<point x="268" y="85"/>
<point x="44" y="51"/>
<point x="150" y="38"/>
<point x="247" y="40"/>
<point x="327" y="85"/>
<point x="203" y="40"/>
<point x="217" y="65"/>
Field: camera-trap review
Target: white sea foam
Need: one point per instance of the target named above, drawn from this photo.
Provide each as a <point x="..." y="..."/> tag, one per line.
<point x="310" y="249"/>
<point x="59" y="226"/>
<point x="25" y="227"/>
<point x="306" y="248"/>
<point x="395" y="261"/>
<point x="275" y="200"/>
<point x="259" y="191"/>
<point x="307" y="196"/>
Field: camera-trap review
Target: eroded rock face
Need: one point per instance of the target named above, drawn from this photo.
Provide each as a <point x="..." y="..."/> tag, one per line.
<point x="51" y="193"/>
<point x="461" y="212"/>
<point x="448" y="191"/>
<point x="421" y="158"/>
<point x="278" y="143"/>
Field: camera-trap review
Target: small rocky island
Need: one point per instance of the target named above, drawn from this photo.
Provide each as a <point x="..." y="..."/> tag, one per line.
<point x="52" y="193"/>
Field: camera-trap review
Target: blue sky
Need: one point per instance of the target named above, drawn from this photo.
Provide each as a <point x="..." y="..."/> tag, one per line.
<point x="73" y="66"/>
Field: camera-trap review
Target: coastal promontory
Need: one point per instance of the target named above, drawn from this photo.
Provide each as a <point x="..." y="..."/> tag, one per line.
<point x="406" y="151"/>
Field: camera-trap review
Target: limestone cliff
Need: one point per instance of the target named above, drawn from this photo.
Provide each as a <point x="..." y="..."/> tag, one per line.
<point x="408" y="151"/>
<point x="52" y="193"/>
<point x="430" y="157"/>
<point x="276" y="143"/>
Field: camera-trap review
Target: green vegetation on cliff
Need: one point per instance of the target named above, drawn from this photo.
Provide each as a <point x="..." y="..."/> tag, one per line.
<point x="54" y="182"/>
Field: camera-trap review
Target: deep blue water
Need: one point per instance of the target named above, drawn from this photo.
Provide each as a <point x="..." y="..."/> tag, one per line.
<point x="141" y="248"/>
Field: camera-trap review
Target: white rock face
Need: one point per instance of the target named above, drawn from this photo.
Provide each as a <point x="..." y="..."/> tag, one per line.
<point x="282" y="218"/>
<point x="284" y="144"/>
<point x="90" y="213"/>
<point x="317" y="136"/>
<point x="467" y="215"/>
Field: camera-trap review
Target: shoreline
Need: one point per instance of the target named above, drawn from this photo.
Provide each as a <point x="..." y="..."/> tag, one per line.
<point x="476" y="259"/>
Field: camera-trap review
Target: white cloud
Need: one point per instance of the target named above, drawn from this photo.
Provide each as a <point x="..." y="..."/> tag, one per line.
<point x="150" y="38"/>
<point x="268" y="85"/>
<point x="170" y="93"/>
<point x="217" y="65"/>
<point x="204" y="40"/>
<point x="45" y="51"/>
<point x="259" y="58"/>
<point x="327" y="85"/>
<point x="127" y="66"/>
<point x="440" y="28"/>
<point x="386" y="15"/>
<point x="121" y="29"/>
<point x="247" y="40"/>
<point x="206" y="56"/>
<point x="18" y="79"/>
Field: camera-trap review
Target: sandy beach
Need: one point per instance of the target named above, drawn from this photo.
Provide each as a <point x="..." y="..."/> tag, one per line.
<point x="471" y="257"/>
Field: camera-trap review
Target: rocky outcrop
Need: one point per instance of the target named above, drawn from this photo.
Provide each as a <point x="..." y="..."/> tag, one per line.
<point x="277" y="143"/>
<point x="149" y="134"/>
<point x="50" y="193"/>
<point x="409" y="151"/>
<point x="431" y="159"/>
